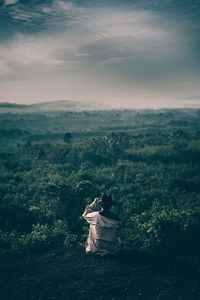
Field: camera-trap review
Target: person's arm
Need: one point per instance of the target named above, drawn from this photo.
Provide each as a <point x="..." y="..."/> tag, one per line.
<point x="89" y="208"/>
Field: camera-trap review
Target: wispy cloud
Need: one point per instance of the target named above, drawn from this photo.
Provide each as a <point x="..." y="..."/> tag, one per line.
<point x="39" y="53"/>
<point x="51" y="14"/>
<point x="145" y="51"/>
<point x="190" y="98"/>
<point x="10" y="2"/>
<point x="93" y="36"/>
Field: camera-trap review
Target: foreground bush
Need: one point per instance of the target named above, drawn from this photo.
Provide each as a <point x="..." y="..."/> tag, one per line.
<point x="169" y="231"/>
<point x="42" y="237"/>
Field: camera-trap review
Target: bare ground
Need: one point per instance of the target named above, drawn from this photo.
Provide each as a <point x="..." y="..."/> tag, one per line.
<point x="132" y="275"/>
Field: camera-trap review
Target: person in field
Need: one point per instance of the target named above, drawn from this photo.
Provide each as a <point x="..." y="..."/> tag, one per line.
<point x="103" y="235"/>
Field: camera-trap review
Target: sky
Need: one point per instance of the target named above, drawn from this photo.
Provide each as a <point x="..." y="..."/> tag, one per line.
<point x="124" y="53"/>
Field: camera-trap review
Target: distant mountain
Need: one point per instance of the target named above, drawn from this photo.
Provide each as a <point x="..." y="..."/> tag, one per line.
<point x="52" y="106"/>
<point x="12" y="105"/>
<point x="67" y="106"/>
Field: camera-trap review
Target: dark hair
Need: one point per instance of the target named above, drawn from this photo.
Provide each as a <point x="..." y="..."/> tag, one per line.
<point x="106" y="201"/>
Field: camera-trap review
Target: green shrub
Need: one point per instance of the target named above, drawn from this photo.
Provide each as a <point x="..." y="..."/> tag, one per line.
<point x="44" y="237"/>
<point x="41" y="238"/>
<point x="169" y="231"/>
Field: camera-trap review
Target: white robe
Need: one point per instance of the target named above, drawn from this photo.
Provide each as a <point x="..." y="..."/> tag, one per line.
<point x="103" y="235"/>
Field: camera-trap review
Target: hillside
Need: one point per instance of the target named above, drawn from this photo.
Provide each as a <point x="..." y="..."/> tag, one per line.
<point x="51" y="106"/>
<point x="74" y="275"/>
<point x="149" y="161"/>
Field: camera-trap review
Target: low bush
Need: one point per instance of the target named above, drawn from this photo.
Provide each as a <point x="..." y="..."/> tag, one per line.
<point x="169" y="231"/>
<point x="42" y="237"/>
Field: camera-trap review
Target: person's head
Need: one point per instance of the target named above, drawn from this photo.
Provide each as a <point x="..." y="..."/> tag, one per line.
<point x="106" y="201"/>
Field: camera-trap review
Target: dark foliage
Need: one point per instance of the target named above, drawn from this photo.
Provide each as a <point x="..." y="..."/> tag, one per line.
<point x="153" y="174"/>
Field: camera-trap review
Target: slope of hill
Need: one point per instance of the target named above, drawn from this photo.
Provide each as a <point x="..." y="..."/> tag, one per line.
<point x="55" y="106"/>
<point x="63" y="275"/>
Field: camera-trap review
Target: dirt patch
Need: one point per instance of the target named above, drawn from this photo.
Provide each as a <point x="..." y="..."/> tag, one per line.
<point x="74" y="275"/>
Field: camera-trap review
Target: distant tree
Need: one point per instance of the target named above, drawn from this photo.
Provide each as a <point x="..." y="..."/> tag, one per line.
<point x="67" y="138"/>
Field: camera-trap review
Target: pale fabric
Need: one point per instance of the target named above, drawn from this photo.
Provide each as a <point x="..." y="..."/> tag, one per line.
<point x="103" y="235"/>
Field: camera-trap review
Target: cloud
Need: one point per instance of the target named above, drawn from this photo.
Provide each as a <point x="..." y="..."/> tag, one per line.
<point x="188" y="98"/>
<point x="115" y="50"/>
<point x="90" y="37"/>
<point x="10" y="2"/>
<point x="36" y="54"/>
<point x="40" y="14"/>
<point x="108" y="22"/>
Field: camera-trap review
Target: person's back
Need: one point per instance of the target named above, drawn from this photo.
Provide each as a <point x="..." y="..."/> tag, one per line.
<point x="103" y="235"/>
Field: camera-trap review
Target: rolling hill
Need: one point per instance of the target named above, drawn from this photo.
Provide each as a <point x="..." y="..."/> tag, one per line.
<point x="50" y="106"/>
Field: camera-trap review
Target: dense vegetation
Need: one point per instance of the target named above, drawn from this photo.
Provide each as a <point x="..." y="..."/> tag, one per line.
<point x="52" y="165"/>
